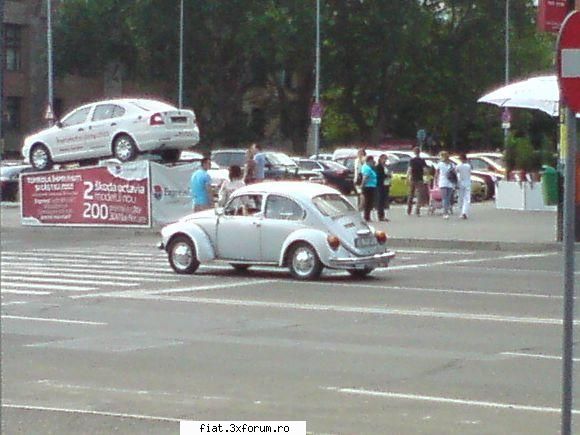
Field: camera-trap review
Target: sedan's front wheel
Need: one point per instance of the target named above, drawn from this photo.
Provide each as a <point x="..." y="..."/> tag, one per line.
<point x="304" y="262"/>
<point x="182" y="255"/>
<point x="40" y="158"/>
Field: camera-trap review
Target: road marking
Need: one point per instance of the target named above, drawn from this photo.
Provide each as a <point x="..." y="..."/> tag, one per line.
<point x="61" y="273"/>
<point x="45" y="319"/>
<point x="448" y="400"/>
<point x="4" y="304"/>
<point x="432" y="252"/>
<point x="146" y="293"/>
<point x="25" y="292"/>
<point x="153" y="295"/>
<point x="8" y="280"/>
<point x="536" y="355"/>
<point x="135" y="269"/>
<point x="90" y="412"/>
<point x="472" y="260"/>
<point x="46" y="286"/>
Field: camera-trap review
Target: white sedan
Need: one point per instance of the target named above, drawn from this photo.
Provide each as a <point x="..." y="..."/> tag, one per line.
<point x="299" y="225"/>
<point x="120" y="128"/>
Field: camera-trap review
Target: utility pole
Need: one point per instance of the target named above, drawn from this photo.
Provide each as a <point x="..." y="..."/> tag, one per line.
<point x="180" y="97"/>
<point x="49" y="57"/>
<point x="317" y="80"/>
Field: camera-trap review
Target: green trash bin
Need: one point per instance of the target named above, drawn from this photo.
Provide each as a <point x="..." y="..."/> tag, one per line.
<point x="550" y="185"/>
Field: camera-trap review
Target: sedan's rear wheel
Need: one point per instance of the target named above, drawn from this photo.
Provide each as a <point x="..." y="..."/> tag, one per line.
<point x="182" y="255"/>
<point x="124" y="148"/>
<point x="304" y="262"/>
<point x="40" y="158"/>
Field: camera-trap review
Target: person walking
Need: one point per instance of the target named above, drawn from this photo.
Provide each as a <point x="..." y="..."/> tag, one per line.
<point x="446" y="179"/>
<point x="200" y="187"/>
<point x="260" y="160"/>
<point x="415" y="181"/>
<point x="463" y="171"/>
<point x="229" y="186"/>
<point x="359" y="162"/>
<point x="250" y="167"/>
<point x="383" y="187"/>
<point x="369" y="185"/>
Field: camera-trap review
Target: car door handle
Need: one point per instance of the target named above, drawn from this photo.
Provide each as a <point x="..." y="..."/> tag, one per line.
<point x="113" y="124"/>
<point x="81" y="129"/>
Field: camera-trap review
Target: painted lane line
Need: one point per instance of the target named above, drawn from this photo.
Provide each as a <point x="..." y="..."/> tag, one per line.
<point x="432" y="252"/>
<point x="10" y="279"/>
<point x="4" y="304"/>
<point x="87" y="252"/>
<point x="25" y="292"/>
<point x="89" y="412"/>
<point x="133" y="269"/>
<point x="472" y="260"/>
<point x="536" y="355"/>
<point x="448" y="400"/>
<point x="51" y="272"/>
<point x="157" y="293"/>
<point x="513" y="270"/>
<point x="435" y="290"/>
<point x="152" y="295"/>
<point x="45" y="319"/>
<point x="17" y="285"/>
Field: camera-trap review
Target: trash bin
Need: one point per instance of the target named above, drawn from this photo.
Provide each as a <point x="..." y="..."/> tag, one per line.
<point x="550" y="185"/>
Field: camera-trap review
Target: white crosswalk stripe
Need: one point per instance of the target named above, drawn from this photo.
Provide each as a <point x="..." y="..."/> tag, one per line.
<point x="42" y="272"/>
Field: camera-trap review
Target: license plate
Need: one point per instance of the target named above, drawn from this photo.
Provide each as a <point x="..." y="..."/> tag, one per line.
<point x="365" y="242"/>
<point x="179" y="119"/>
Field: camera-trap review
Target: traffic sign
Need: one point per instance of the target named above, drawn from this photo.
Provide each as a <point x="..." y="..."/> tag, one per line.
<point x="49" y="114"/>
<point x="316" y="110"/>
<point x="506" y="115"/>
<point x="421" y="135"/>
<point x="569" y="61"/>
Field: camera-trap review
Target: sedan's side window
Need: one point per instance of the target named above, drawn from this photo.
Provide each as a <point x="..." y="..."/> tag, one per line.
<point x="244" y="205"/>
<point x="77" y="117"/>
<point x="107" y="111"/>
<point x="279" y="207"/>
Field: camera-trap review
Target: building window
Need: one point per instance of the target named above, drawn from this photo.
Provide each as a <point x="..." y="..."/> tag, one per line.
<point x="13" y="44"/>
<point x="12" y="113"/>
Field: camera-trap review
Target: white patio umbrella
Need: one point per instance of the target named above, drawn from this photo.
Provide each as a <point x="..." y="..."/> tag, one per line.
<point x="540" y="93"/>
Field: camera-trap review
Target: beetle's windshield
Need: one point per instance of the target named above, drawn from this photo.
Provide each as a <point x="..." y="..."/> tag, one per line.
<point x="332" y="205"/>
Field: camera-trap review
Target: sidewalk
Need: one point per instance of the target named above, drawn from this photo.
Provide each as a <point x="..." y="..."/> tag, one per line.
<point x="486" y="229"/>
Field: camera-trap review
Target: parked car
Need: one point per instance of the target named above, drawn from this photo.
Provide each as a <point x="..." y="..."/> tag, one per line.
<point x="302" y="226"/>
<point x="228" y="157"/>
<point x="329" y="172"/>
<point x="217" y="174"/>
<point x="10" y="179"/>
<point x="278" y="165"/>
<point x="491" y="178"/>
<point x="120" y="128"/>
<point x="321" y="156"/>
<point x="346" y="156"/>
<point x="488" y="162"/>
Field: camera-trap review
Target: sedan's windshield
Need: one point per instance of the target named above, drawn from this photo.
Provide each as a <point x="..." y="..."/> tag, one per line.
<point x="332" y="205"/>
<point x="280" y="159"/>
<point x="329" y="164"/>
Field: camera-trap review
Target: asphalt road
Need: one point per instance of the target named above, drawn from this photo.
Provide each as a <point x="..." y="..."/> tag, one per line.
<point x="100" y="337"/>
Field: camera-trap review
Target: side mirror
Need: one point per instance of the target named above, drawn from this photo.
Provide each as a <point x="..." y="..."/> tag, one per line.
<point x="219" y="211"/>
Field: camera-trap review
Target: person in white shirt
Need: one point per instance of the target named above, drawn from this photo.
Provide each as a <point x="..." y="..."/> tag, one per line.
<point x="463" y="171"/>
<point x="358" y="164"/>
<point x="229" y="186"/>
<point x="445" y="183"/>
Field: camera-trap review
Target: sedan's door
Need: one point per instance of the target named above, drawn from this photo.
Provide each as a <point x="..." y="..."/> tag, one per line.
<point x="239" y="229"/>
<point x="104" y="122"/>
<point x="282" y="216"/>
<point x="70" y="138"/>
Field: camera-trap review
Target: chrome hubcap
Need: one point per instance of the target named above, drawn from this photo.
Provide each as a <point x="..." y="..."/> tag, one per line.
<point x="123" y="149"/>
<point x="303" y="261"/>
<point x="39" y="158"/>
<point x="182" y="256"/>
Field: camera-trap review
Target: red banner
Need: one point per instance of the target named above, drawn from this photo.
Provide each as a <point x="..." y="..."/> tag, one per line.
<point x="115" y="195"/>
<point x="551" y="13"/>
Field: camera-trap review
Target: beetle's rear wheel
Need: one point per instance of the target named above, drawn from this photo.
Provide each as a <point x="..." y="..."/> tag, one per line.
<point x="304" y="262"/>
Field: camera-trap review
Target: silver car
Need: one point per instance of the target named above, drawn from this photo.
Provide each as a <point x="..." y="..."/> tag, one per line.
<point x="300" y="225"/>
<point x="120" y="128"/>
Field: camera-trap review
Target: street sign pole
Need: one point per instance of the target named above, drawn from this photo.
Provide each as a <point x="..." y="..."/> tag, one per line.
<point x="49" y="54"/>
<point x="317" y="84"/>
<point x="180" y="91"/>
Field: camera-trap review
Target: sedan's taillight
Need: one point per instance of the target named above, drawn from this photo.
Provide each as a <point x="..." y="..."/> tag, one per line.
<point x="156" y="119"/>
<point x="381" y="237"/>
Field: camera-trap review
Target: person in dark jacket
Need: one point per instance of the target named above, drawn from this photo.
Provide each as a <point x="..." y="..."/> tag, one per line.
<point x="383" y="187"/>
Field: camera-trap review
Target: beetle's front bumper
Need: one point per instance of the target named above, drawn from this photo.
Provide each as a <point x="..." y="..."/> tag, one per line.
<point x="371" y="261"/>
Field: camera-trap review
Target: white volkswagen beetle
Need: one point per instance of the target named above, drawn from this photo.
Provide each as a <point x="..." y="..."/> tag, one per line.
<point x="299" y="225"/>
<point x="121" y="128"/>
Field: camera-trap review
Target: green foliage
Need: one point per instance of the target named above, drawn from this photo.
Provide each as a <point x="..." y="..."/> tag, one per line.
<point x="521" y="155"/>
<point x="388" y="67"/>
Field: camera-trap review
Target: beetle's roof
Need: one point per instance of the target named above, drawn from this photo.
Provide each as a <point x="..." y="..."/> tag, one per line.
<point x="297" y="189"/>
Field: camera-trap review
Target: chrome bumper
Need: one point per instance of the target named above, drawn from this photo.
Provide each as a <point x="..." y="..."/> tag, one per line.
<point x="378" y="260"/>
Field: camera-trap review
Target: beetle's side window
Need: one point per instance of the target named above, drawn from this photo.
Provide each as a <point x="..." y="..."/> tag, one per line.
<point x="279" y="207"/>
<point x="244" y="205"/>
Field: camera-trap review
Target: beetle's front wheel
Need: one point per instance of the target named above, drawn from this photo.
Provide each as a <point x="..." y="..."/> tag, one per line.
<point x="182" y="255"/>
<point x="304" y="262"/>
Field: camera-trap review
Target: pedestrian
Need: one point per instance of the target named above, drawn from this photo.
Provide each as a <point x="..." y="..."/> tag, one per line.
<point x="369" y="185"/>
<point x="463" y="171"/>
<point x="383" y="187"/>
<point x="229" y="186"/>
<point x="200" y="187"/>
<point x="446" y="179"/>
<point x="250" y="167"/>
<point x="359" y="161"/>
<point x="260" y="160"/>
<point x="416" y="182"/>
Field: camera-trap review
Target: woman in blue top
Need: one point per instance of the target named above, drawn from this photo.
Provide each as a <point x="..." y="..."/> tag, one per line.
<point x="369" y="184"/>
